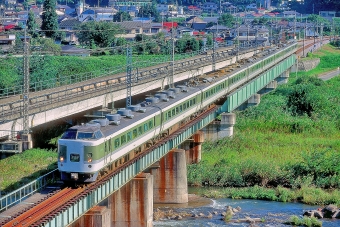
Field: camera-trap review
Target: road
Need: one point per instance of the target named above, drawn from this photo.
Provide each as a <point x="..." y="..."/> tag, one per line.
<point x="330" y="74"/>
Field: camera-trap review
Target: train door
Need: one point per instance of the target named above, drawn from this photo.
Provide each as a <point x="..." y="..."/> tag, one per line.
<point x="106" y="151"/>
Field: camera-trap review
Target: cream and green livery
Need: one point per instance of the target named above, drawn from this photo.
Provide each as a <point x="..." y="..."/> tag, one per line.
<point x="86" y="151"/>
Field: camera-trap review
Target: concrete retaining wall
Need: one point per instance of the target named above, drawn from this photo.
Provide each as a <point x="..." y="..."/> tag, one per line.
<point x="307" y="65"/>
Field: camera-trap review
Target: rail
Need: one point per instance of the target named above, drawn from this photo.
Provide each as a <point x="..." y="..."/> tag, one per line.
<point x="11" y="111"/>
<point x="26" y="190"/>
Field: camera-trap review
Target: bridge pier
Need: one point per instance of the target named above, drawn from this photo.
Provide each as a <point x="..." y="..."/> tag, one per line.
<point x="96" y="216"/>
<point x="254" y="100"/>
<point x="170" y="183"/>
<point x="132" y="205"/>
<point x="27" y="142"/>
<point x="220" y="129"/>
<point x="270" y="86"/>
<point x="193" y="148"/>
<point x="283" y="78"/>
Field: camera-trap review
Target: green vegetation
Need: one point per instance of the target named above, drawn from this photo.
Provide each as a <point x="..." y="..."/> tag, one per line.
<point x="53" y="71"/>
<point x="290" y="141"/>
<point x="306" y="194"/>
<point x="23" y="168"/>
<point x="305" y="221"/>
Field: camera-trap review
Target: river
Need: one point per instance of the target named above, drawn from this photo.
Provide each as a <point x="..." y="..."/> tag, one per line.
<point x="272" y="213"/>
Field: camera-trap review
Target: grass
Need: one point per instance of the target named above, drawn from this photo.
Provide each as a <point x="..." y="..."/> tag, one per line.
<point x="305" y="221"/>
<point x="286" y="148"/>
<point x="20" y="169"/>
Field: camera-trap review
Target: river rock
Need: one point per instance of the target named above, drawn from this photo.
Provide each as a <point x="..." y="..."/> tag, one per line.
<point x="336" y="214"/>
<point x="238" y="208"/>
<point x="215" y="212"/>
<point x="308" y="213"/>
<point x="234" y="210"/>
<point x="317" y="214"/>
<point x="178" y="217"/>
<point x="201" y="215"/>
<point x="329" y="210"/>
<point x="194" y="216"/>
<point x="209" y="215"/>
<point x="223" y="214"/>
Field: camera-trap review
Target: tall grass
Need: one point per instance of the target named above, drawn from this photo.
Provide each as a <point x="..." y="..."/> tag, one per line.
<point x="22" y="168"/>
<point x="288" y="142"/>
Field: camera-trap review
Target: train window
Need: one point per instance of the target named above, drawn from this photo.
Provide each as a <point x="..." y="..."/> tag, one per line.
<point x="117" y="143"/>
<point x="150" y="124"/>
<point x="85" y="135"/>
<point x="169" y="114"/>
<point x="140" y="130"/>
<point x="134" y="133"/>
<point x="123" y="139"/>
<point x="188" y="104"/>
<point x="173" y="112"/>
<point x="129" y="136"/>
<point x="116" y="163"/>
<point x="184" y="106"/>
<point x="70" y="134"/>
<point x="98" y="134"/>
<point x="146" y="127"/>
<point x="177" y="110"/>
<point x="180" y="108"/>
<point x="74" y="157"/>
<point x="194" y="101"/>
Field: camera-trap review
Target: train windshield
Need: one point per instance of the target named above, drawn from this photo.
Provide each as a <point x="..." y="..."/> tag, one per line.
<point x="70" y="134"/>
<point x="85" y="135"/>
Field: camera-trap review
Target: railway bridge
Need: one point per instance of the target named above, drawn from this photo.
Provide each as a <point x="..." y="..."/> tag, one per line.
<point x="158" y="174"/>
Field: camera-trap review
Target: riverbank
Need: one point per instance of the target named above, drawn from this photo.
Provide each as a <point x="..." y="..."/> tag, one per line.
<point x="286" y="148"/>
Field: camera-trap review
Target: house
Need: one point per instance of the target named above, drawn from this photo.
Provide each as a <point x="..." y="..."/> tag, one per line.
<point x="209" y="7"/>
<point x="193" y="19"/>
<point x="138" y="3"/>
<point x="199" y="26"/>
<point x="133" y="28"/>
<point x="183" y="31"/>
<point x="247" y="34"/>
<point x="97" y="14"/>
<point x="7" y="39"/>
<point x="68" y="26"/>
<point x="290" y="14"/>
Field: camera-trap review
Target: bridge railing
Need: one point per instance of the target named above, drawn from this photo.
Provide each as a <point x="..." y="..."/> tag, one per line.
<point x="27" y="190"/>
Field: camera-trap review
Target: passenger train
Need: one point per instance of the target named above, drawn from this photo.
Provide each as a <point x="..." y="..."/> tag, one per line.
<point x="89" y="150"/>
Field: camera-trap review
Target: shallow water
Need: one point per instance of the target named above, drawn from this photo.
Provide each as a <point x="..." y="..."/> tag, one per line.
<point x="273" y="213"/>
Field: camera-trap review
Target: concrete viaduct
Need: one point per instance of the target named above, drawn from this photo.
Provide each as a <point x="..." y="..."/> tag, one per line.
<point x="160" y="175"/>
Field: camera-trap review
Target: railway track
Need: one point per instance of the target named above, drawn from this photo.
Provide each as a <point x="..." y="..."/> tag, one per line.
<point x="45" y="210"/>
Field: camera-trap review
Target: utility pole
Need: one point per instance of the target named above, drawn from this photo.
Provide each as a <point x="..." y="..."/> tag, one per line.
<point x="128" y="75"/>
<point x="25" y="94"/>
<point x="213" y="54"/>
<point x="172" y="62"/>
<point x="304" y="37"/>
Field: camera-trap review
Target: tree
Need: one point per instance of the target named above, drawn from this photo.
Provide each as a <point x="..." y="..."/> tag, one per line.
<point x="149" y="11"/>
<point x="122" y="16"/>
<point x="32" y="25"/>
<point x="50" y="19"/>
<point x="209" y="41"/>
<point x="101" y="34"/>
<point x="226" y="19"/>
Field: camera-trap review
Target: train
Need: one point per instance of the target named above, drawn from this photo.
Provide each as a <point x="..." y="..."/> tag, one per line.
<point x="88" y="151"/>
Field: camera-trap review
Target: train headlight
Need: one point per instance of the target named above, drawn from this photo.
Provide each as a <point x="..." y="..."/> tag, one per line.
<point x="61" y="158"/>
<point x="89" y="157"/>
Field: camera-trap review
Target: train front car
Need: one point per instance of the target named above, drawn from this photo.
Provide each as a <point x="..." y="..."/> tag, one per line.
<point x="77" y="155"/>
